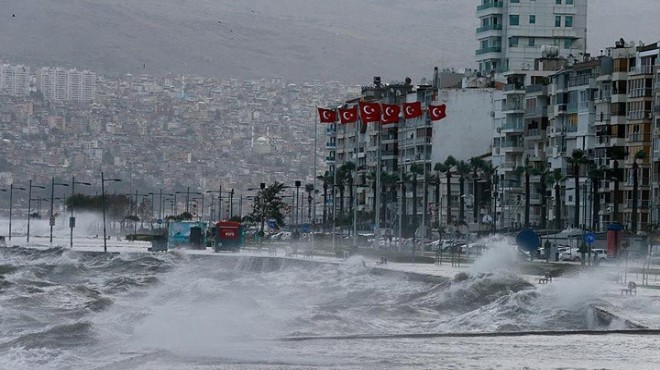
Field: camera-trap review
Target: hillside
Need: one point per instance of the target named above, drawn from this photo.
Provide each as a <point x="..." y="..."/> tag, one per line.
<point x="298" y="39"/>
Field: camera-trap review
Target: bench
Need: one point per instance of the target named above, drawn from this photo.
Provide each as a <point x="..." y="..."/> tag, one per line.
<point x="547" y="278"/>
<point x="631" y="289"/>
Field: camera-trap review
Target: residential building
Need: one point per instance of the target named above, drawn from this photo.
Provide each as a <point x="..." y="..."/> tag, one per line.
<point x="14" y="80"/>
<point x="511" y="33"/>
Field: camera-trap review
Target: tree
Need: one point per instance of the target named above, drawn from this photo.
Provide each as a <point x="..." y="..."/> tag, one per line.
<point x="639" y="156"/>
<point x="576" y="160"/>
<point x="543" y="172"/>
<point x="309" y="189"/>
<point x="617" y="153"/>
<point x="347" y="170"/>
<point x="489" y="172"/>
<point x="595" y="175"/>
<point x="463" y="170"/>
<point x="446" y="168"/>
<point x="525" y="170"/>
<point x="328" y="180"/>
<point x="556" y="177"/>
<point x="477" y="165"/>
<point x="415" y="170"/>
<point x="268" y="204"/>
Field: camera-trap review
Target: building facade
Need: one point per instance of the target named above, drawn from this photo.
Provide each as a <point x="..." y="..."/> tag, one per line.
<point x="511" y="33"/>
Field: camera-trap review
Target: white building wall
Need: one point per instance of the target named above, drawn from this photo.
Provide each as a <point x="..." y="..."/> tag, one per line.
<point x="467" y="130"/>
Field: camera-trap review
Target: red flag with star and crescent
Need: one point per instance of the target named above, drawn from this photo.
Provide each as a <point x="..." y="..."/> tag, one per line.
<point x="327" y="115"/>
<point x="391" y="113"/>
<point x="348" y="115"/>
<point x="437" y="112"/>
<point x="412" y="110"/>
<point x="370" y="112"/>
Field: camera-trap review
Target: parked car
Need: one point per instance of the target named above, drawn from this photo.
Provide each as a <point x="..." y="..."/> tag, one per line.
<point x="569" y="254"/>
<point x="599" y="255"/>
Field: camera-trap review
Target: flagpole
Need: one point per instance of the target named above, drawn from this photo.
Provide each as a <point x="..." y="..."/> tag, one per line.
<point x="378" y="195"/>
<point x="313" y="220"/>
<point x="357" y="161"/>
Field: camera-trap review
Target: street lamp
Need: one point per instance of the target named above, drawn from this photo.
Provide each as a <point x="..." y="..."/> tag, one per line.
<point x="72" y="219"/>
<point x="11" y="202"/>
<point x="103" y="180"/>
<point x="30" y="206"/>
<point x="297" y="184"/>
<point x="51" y="221"/>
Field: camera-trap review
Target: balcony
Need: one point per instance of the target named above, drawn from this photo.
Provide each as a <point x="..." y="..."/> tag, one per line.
<point x="489" y="27"/>
<point x="641" y="204"/>
<point x="639" y="115"/>
<point x="643" y="70"/>
<point x="518" y="88"/>
<point x="489" y="4"/>
<point x="637" y="137"/>
<point x="491" y="49"/>
<point x="534" y="133"/>
<point x="536" y="112"/>
<point x="580" y="80"/>
<point x="511" y="127"/>
<point x="329" y="159"/>
<point x="330" y="145"/>
<point x="511" y="108"/>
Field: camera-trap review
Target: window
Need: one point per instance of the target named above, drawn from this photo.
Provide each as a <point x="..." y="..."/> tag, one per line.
<point x="514" y="20"/>
<point x="557" y="20"/>
<point x="558" y="2"/>
<point x="531" y="41"/>
<point x="532" y="19"/>
<point x="568" y="21"/>
<point x="568" y="43"/>
<point x="569" y="2"/>
<point x="515" y="1"/>
<point x="513" y="42"/>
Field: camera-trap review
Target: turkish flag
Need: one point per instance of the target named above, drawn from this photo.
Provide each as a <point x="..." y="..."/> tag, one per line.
<point x="391" y="113"/>
<point x="437" y="112"/>
<point x="348" y="115"/>
<point x="370" y="112"/>
<point x="412" y="110"/>
<point x="327" y="115"/>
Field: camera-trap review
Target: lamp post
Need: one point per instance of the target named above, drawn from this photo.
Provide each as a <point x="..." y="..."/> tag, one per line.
<point x="51" y="221"/>
<point x="30" y="206"/>
<point x="231" y="204"/>
<point x="103" y="180"/>
<point x="633" y="216"/>
<point x="262" y="186"/>
<point x="297" y="183"/>
<point x="11" y="203"/>
<point x="72" y="219"/>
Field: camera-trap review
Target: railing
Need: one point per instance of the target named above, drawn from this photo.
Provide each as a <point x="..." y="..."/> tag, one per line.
<point x="641" y="204"/>
<point x="534" y="88"/>
<point x="489" y="4"/>
<point x="489" y="27"/>
<point x="512" y="126"/>
<point x="639" y="115"/>
<point x="513" y="87"/>
<point x="636" y="137"/>
<point x="534" y="132"/>
<point x="517" y="106"/>
<point x="579" y="80"/>
<point x="536" y="111"/>
<point x="644" y="69"/>
<point x="491" y="49"/>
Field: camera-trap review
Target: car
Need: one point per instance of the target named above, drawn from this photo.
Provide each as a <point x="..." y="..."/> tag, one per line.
<point x="599" y="255"/>
<point x="570" y="254"/>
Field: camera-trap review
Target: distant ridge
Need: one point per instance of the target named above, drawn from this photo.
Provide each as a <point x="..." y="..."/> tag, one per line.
<point x="300" y="40"/>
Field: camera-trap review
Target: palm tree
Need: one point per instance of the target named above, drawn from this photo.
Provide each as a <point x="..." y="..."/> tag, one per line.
<point x="463" y="169"/>
<point x="387" y="180"/>
<point x="477" y="165"/>
<point x="617" y="153"/>
<point x="446" y="167"/>
<point x="556" y="177"/>
<point x="438" y="168"/>
<point x="434" y="180"/>
<point x="640" y="155"/>
<point x="595" y="174"/>
<point x="349" y="168"/>
<point x="328" y="179"/>
<point x="415" y="169"/>
<point x="526" y="170"/>
<point x="543" y="172"/>
<point x="309" y="189"/>
<point x="576" y="160"/>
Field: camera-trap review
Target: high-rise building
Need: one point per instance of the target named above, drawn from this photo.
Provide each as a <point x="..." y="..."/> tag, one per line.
<point x="14" y="80"/>
<point x="511" y="33"/>
<point x="66" y="84"/>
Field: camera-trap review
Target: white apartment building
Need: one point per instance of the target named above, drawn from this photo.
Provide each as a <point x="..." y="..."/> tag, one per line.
<point x="512" y="32"/>
<point x="14" y="80"/>
<point x="66" y="84"/>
